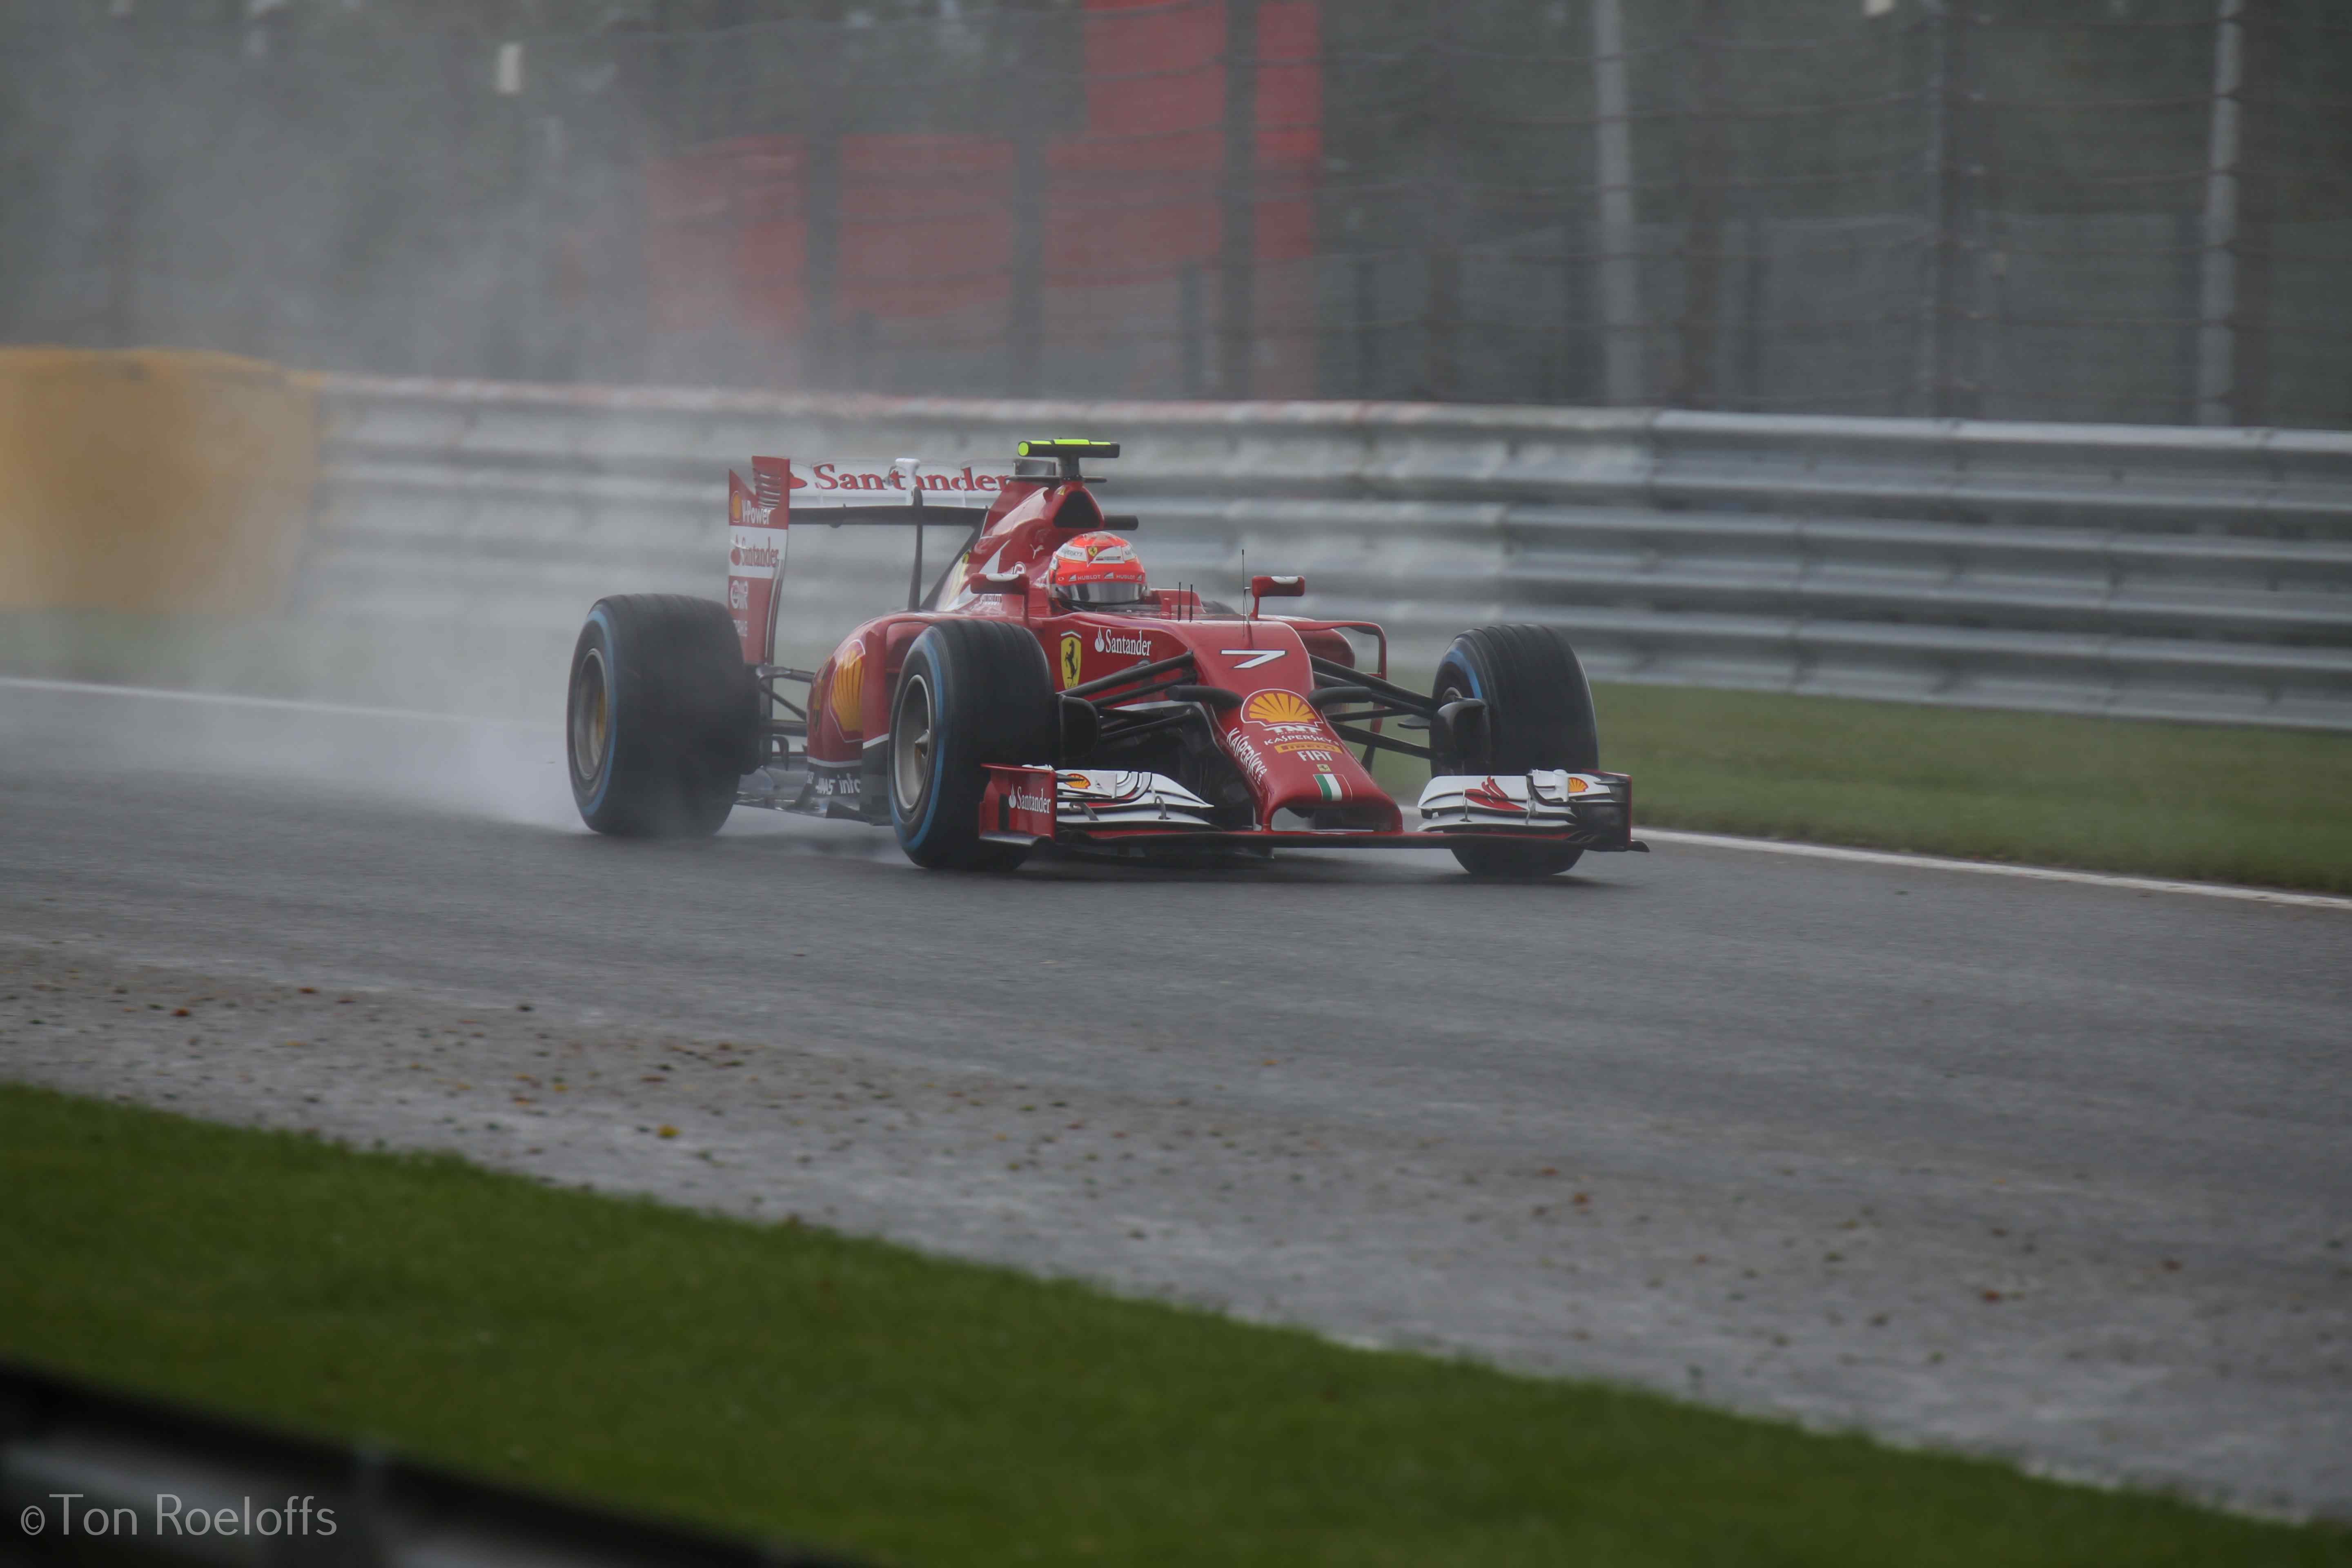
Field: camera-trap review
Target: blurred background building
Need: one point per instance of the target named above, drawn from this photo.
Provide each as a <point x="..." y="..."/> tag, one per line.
<point x="2115" y="210"/>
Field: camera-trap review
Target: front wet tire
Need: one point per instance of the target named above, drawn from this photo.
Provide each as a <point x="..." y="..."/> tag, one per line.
<point x="1539" y="715"/>
<point x="971" y="693"/>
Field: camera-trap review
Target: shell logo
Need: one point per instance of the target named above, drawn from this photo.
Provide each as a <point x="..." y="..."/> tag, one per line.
<point x="849" y="689"/>
<point x="1279" y="708"/>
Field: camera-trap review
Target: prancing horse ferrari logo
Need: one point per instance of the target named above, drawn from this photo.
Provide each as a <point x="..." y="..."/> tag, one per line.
<point x="1071" y="650"/>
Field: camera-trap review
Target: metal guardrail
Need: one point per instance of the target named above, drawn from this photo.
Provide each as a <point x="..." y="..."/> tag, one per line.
<point x="2172" y="573"/>
<point x="91" y="1475"/>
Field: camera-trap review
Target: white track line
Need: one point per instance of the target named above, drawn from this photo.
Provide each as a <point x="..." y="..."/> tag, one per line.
<point x="1653" y="834"/>
<point x="279" y="704"/>
<point x="1993" y="868"/>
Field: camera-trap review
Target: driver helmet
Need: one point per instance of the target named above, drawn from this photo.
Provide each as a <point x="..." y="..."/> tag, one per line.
<point x="1096" y="569"/>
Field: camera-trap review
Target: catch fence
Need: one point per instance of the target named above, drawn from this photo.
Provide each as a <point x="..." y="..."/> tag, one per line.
<point x="2084" y="210"/>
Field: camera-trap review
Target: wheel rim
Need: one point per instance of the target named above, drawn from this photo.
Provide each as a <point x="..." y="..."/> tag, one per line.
<point x="911" y="733"/>
<point x="591" y="717"/>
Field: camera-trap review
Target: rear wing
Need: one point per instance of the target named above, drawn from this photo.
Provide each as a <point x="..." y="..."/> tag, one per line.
<point x="833" y="491"/>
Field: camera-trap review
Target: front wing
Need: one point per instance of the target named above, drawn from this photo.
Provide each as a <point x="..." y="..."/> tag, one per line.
<point x="1148" y="812"/>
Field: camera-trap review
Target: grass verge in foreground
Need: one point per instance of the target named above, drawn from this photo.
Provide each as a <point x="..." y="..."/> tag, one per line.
<point x="2206" y="803"/>
<point x="793" y="1382"/>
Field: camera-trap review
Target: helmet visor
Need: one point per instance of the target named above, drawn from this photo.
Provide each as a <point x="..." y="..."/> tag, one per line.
<point x="1114" y="593"/>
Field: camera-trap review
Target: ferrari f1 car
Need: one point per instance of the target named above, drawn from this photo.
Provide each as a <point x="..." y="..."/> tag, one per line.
<point x="1041" y="692"/>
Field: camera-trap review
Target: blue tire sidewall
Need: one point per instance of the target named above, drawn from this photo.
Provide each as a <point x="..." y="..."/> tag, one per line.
<point x="933" y="668"/>
<point x="1459" y="659"/>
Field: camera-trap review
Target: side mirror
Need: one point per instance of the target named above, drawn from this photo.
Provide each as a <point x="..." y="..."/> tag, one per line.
<point x="997" y="583"/>
<point x="1264" y="587"/>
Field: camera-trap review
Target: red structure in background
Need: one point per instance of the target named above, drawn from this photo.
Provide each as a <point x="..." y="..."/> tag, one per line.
<point x="926" y="276"/>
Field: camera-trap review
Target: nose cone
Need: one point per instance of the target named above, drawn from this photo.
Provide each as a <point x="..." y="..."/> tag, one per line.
<point x="1295" y="761"/>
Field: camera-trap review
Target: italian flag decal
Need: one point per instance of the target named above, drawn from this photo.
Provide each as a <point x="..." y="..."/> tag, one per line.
<point x="1330" y="787"/>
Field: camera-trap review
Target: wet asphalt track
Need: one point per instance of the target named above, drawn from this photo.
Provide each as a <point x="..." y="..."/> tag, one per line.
<point x="2056" y="1170"/>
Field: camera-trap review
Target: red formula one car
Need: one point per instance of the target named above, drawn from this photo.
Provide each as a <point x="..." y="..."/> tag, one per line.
<point x="1042" y="692"/>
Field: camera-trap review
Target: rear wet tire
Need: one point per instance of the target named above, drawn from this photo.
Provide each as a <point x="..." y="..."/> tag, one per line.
<point x="661" y="717"/>
<point x="1539" y="715"/>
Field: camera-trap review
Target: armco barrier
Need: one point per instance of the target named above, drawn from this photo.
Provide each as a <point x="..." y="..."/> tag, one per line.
<point x="150" y="479"/>
<point x="2195" y="574"/>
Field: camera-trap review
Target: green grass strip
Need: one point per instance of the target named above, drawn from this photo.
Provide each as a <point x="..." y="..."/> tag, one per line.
<point x="2203" y="802"/>
<point x="789" y="1380"/>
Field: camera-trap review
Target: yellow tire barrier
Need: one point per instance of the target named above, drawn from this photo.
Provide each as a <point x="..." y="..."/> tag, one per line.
<point x="151" y="480"/>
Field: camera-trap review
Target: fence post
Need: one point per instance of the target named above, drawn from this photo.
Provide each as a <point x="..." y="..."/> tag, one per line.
<point x="1237" y="249"/>
<point x="1704" y="153"/>
<point x="2258" y="159"/>
<point x="2218" y="288"/>
<point x="1936" y="172"/>
<point x="1620" y="270"/>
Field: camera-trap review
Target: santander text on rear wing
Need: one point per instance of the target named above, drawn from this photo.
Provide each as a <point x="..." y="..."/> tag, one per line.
<point x="904" y="491"/>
